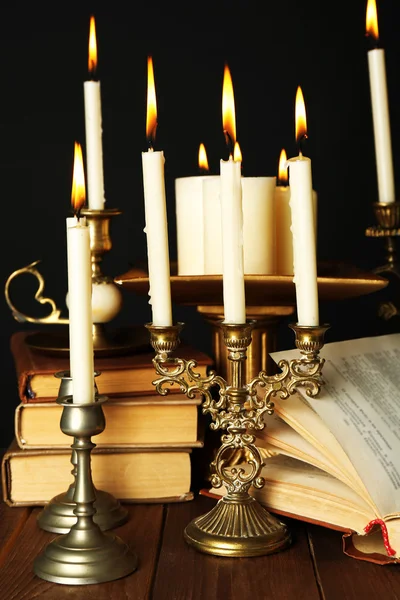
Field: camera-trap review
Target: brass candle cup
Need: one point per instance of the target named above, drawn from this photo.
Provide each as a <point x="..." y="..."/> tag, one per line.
<point x="85" y="555"/>
<point x="238" y="525"/>
<point x="387" y="215"/>
<point x="58" y="515"/>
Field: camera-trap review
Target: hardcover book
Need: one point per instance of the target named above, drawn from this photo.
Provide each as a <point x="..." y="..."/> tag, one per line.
<point x="127" y="375"/>
<point x="33" y="477"/>
<point x="139" y="421"/>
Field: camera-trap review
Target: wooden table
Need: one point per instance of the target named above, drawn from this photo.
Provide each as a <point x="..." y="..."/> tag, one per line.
<point x="313" y="568"/>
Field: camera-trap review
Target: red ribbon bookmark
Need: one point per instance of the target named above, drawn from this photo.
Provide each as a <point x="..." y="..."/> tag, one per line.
<point x="390" y="551"/>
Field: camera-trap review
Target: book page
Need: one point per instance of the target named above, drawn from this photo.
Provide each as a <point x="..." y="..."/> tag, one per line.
<point x="360" y="403"/>
<point x="279" y="436"/>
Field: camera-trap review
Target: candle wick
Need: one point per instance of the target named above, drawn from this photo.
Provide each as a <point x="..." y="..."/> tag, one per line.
<point x="301" y="143"/>
<point x="229" y="143"/>
<point x="150" y="145"/>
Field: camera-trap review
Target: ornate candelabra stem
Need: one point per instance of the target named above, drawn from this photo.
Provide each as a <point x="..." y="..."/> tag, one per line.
<point x="238" y="525"/>
<point x="85" y="555"/>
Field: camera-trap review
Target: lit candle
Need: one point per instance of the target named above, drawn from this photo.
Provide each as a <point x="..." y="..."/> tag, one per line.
<point x="93" y="128"/>
<point x="231" y="215"/>
<point x="80" y="291"/>
<point x="380" y="109"/>
<point x="194" y="197"/>
<point x="304" y="247"/>
<point x="156" y="214"/>
<point x="284" y="241"/>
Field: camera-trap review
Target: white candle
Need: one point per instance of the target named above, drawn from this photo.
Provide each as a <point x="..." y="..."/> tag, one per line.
<point x="232" y="242"/>
<point x="380" y="110"/>
<point x="231" y="216"/>
<point x="304" y="247"/>
<point x="80" y="293"/>
<point x="258" y="225"/>
<point x="93" y="129"/>
<point x="283" y="218"/>
<point x="194" y="197"/>
<point x="156" y="217"/>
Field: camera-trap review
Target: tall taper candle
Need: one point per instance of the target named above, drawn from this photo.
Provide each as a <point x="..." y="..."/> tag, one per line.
<point x="80" y="291"/>
<point x="380" y="109"/>
<point x="156" y="215"/>
<point x="304" y="247"/>
<point x="231" y="215"/>
<point x="93" y="128"/>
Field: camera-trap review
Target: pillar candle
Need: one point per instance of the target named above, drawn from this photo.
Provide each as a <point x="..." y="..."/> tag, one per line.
<point x="156" y="217"/>
<point x="93" y="129"/>
<point x="301" y="205"/>
<point x="80" y="293"/>
<point x="380" y="109"/>
<point x="194" y="197"/>
<point x="259" y="225"/>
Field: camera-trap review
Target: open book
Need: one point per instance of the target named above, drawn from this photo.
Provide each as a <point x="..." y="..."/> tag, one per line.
<point x="335" y="459"/>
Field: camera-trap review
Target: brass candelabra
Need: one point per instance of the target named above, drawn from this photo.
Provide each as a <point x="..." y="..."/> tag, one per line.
<point x="238" y="525"/>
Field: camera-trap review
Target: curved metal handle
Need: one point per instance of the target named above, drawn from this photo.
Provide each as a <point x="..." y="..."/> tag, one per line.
<point x="53" y="317"/>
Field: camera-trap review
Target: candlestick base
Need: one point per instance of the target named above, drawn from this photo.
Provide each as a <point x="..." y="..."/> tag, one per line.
<point x="58" y="515"/>
<point x="85" y="556"/>
<point x="237" y="526"/>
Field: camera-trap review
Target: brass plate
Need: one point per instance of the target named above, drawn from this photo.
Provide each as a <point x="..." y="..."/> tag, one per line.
<point x="116" y="343"/>
<point x="335" y="282"/>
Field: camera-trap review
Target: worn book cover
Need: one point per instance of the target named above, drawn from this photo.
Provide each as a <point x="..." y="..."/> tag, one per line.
<point x="127" y="375"/>
<point x="33" y="477"/>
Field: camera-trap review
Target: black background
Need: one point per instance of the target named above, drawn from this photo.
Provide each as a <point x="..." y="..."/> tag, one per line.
<point x="270" y="47"/>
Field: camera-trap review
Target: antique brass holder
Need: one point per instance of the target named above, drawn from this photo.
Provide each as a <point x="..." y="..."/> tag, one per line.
<point x="387" y="215"/>
<point x="388" y="227"/>
<point x="238" y="526"/>
<point x="106" y="299"/>
<point x="85" y="555"/>
<point x="58" y="515"/>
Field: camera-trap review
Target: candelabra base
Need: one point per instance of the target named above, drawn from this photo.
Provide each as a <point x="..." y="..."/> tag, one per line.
<point x="58" y="515"/>
<point x="237" y="526"/>
<point x="84" y="556"/>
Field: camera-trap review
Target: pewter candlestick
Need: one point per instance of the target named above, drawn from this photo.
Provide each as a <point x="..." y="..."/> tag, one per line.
<point x="85" y="555"/>
<point x="58" y="515"/>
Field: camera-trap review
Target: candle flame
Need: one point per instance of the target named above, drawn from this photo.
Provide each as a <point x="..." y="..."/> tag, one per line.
<point x="372" y="20"/>
<point x="228" y="110"/>
<point x="78" y="194"/>
<point x="92" y="47"/>
<point x="151" y="120"/>
<point x="237" y="153"/>
<point x="203" y="162"/>
<point x="301" y="120"/>
<point x="282" y="168"/>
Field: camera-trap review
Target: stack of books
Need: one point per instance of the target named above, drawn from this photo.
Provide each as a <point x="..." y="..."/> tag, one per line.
<point x="144" y="453"/>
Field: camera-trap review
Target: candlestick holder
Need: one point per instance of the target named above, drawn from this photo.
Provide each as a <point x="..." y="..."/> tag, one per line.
<point x="85" y="555"/>
<point x="387" y="215"/>
<point x="58" y="515"/>
<point x="238" y="526"/>
<point x="106" y="298"/>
